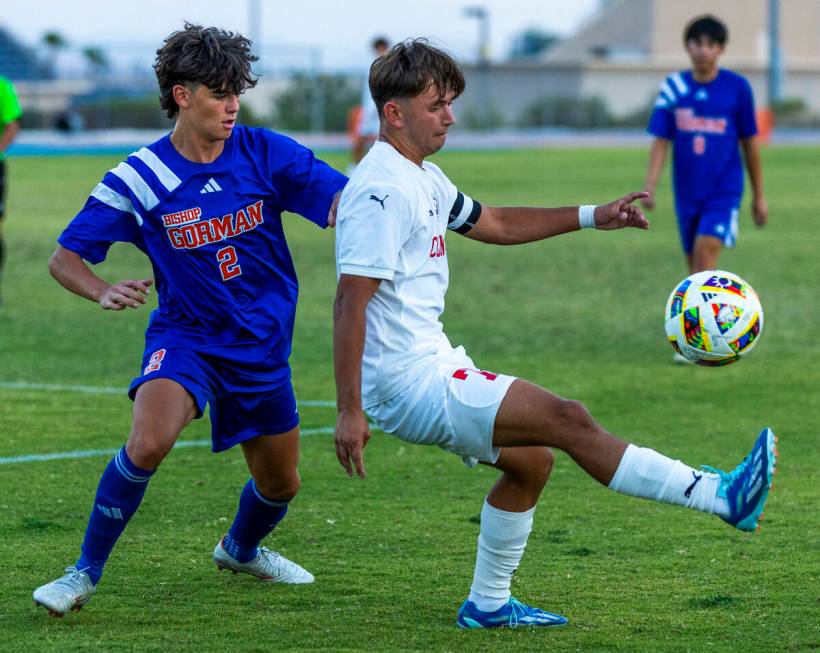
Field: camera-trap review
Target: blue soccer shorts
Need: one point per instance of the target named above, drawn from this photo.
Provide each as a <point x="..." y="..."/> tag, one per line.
<point x="715" y="217"/>
<point x="243" y="403"/>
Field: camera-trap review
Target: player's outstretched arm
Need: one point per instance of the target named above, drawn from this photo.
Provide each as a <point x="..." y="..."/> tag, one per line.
<point x="751" y="154"/>
<point x="352" y="431"/>
<point x="657" y="157"/>
<point x="515" y="225"/>
<point x="621" y="213"/>
<point x="71" y="272"/>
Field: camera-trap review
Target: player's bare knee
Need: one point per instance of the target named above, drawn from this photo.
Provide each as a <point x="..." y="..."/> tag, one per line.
<point x="146" y="448"/>
<point x="574" y="415"/>
<point x="146" y="454"/>
<point x="530" y="467"/>
<point x="541" y="459"/>
<point x="279" y="487"/>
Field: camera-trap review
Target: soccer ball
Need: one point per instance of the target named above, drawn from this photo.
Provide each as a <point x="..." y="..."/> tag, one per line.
<point x="713" y="318"/>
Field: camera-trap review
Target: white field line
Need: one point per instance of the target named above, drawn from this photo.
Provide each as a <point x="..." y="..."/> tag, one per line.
<point x="108" y="390"/>
<point x="90" y="453"/>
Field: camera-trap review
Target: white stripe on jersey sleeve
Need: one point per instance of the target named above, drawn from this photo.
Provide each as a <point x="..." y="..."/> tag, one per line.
<point x="464" y="214"/>
<point x="457" y="221"/>
<point x="677" y="80"/>
<point x="667" y="91"/>
<point x="115" y="200"/>
<point x="162" y="171"/>
<point x="137" y="185"/>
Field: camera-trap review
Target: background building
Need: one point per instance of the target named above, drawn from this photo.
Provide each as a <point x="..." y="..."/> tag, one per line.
<point x="623" y="52"/>
<point x="606" y="74"/>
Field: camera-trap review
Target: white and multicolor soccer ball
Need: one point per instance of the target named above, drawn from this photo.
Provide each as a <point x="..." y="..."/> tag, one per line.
<point x="713" y="318"/>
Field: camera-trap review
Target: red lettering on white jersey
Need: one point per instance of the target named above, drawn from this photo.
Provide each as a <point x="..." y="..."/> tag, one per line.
<point x="437" y="248"/>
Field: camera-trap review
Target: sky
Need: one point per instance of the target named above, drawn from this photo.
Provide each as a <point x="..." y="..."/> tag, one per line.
<point x="332" y="35"/>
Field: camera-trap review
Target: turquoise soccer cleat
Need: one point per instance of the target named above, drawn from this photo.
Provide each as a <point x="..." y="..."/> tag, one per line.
<point x="747" y="486"/>
<point x="510" y="615"/>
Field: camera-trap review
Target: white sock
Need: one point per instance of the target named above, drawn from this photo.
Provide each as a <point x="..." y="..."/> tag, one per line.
<point x="647" y="474"/>
<point x="501" y="543"/>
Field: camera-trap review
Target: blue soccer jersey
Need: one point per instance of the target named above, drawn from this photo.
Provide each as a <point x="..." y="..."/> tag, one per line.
<point x="213" y="232"/>
<point x="705" y="123"/>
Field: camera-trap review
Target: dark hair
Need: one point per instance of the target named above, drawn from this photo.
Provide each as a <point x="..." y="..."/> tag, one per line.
<point x="211" y="56"/>
<point x="380" y="42"/>
<point x="708" y="26"/>
<point x="409" y="69"/>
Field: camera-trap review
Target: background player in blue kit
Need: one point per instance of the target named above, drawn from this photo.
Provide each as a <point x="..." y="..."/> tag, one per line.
<point x="204" y="203"/>
<point x="705" y="113"/>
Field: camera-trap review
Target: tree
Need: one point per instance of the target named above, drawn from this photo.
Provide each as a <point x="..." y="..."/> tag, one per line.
<point x="327" y="96"/>
<point x="97" y="60"/>
<point x="532" y="42"/>
<point x="54" y="42"/>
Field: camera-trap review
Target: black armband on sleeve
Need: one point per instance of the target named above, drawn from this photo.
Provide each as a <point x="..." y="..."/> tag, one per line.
<point x="464" y="214"/>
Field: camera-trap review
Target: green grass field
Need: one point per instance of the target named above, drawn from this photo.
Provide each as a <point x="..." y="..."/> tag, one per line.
<point x="393" y="555"/>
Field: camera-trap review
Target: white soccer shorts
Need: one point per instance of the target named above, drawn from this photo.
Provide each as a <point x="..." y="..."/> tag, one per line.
<point x="452" y="406"/>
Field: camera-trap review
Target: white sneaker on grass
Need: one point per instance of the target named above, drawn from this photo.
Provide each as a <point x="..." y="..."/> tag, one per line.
<point x="69" y="592"/>
<point x="267" y="565"/>
<point x="680" y="359"/>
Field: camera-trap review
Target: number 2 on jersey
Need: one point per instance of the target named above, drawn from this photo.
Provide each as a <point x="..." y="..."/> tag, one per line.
<point x="228" y="265"/>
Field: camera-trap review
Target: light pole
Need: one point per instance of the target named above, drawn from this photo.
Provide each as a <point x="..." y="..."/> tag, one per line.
<point x="482" y="95"/>
<point x="483" y="17"/>
<point x="775" y="60"/>
<point x="255" y="25"/>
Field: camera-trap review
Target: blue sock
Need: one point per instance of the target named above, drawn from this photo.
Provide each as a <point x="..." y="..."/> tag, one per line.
<point x="119" y="494"/>
<point x="256" y="518"/>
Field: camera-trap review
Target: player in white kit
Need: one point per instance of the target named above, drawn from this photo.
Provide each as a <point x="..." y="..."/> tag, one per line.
<point x="367" y="130"/>
<point x="393" y="360"/>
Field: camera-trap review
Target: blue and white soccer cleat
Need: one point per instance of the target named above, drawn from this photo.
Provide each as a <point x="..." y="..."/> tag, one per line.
<point x="511" y="615"/>
<point x="69" y="592"/>
<point x="267" y="565"/>
<point x="747" y="485"/>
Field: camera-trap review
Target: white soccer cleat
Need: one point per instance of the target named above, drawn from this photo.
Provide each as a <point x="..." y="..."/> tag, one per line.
<point x="680" y="359"/>
<point x="267" y="565"/>
<point x="69" y="592"/>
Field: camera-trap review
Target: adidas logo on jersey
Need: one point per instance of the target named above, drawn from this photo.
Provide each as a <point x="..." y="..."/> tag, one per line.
<point x="210" y="187"/>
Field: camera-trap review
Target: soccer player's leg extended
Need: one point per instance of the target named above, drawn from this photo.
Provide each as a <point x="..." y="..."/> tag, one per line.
<point x="530" y="415"/>
<point x="705" y="254"/>
<point x="531" y="419"/>
<point x="272" y="461"/>
<point x="162" y="408"/>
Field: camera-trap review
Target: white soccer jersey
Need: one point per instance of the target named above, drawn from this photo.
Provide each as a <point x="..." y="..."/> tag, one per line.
<point x="391" y="223"/>
<point x="369" y="119"/>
